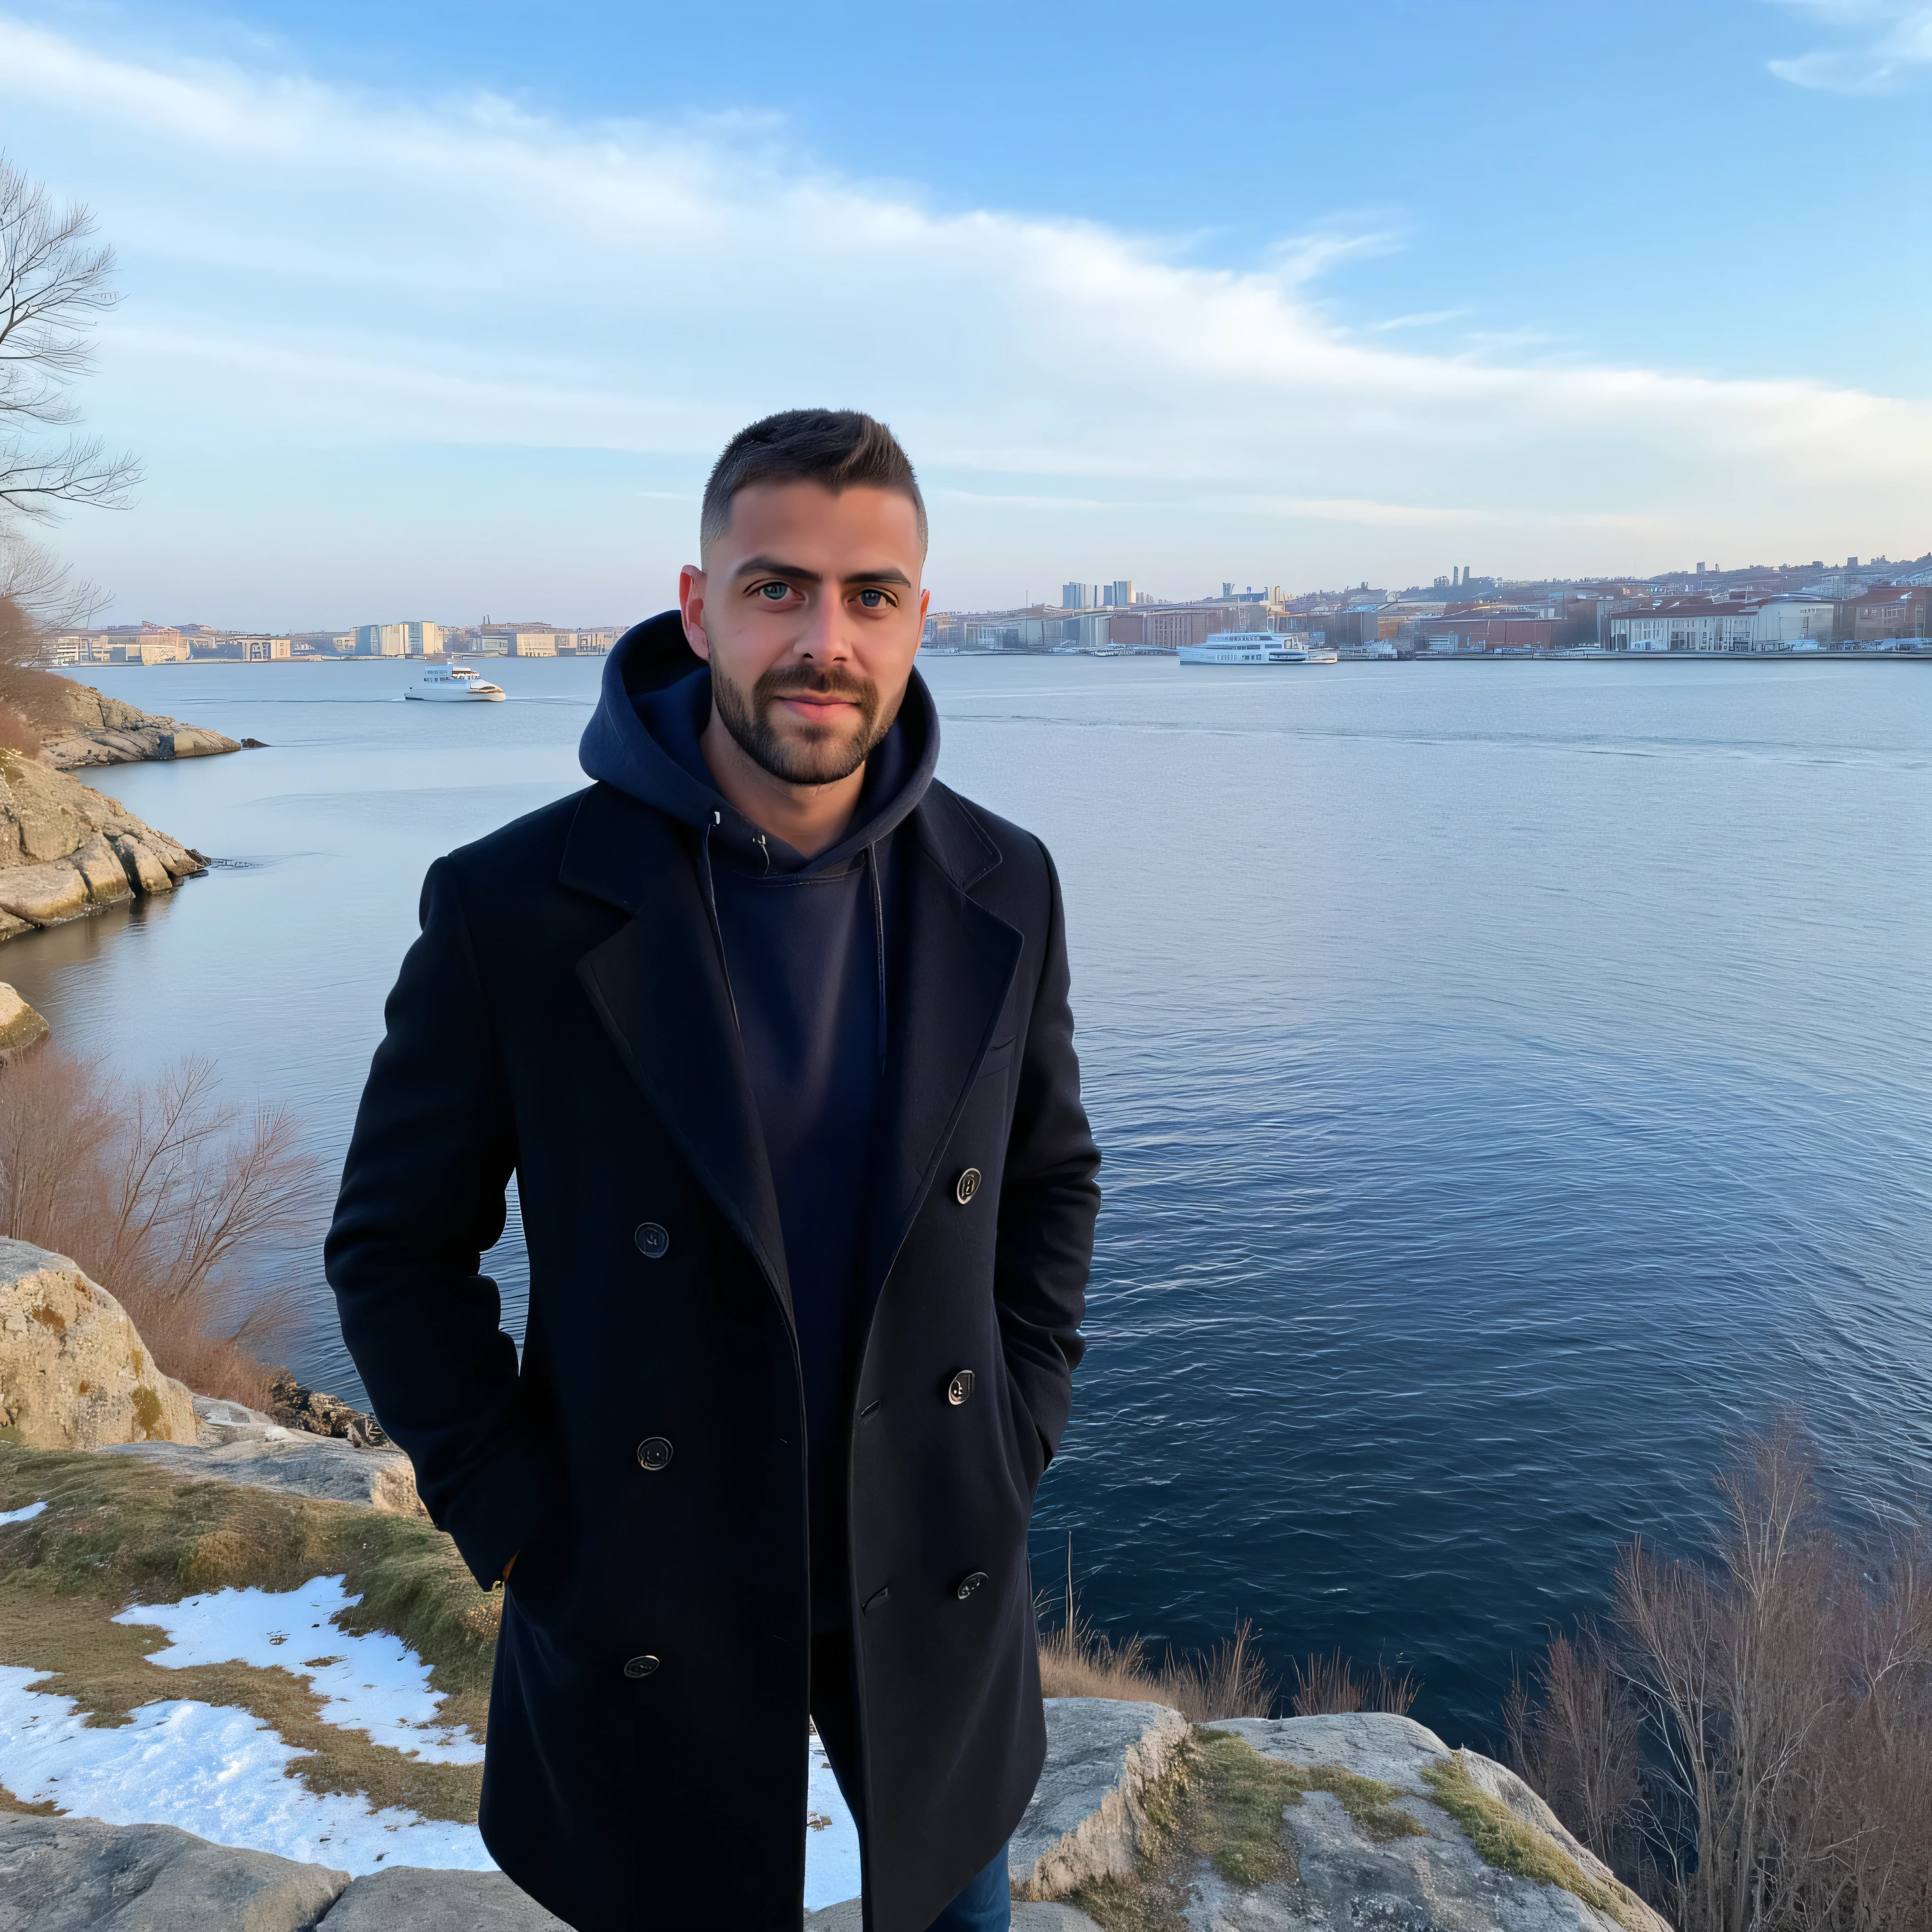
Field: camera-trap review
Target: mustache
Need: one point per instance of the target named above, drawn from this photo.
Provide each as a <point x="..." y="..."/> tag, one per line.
<point x="825" y="681"/>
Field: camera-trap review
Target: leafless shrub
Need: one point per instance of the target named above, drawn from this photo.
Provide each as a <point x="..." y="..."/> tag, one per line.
<point x="16" y="734"/>
<point x="162" y="1192"/>
<point x="1328" y="1687"/>
<point x="33" y="701"/>
<point x="1577" y="1740"/>
<point x="1777" y="1700"/>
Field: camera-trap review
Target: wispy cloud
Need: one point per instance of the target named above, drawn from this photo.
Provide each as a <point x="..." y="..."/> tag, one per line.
<point x="946" y="493"/>
<point x="323" y="280"/>
<point x="1890" y="46"/>
<point x="1422" y="319"/>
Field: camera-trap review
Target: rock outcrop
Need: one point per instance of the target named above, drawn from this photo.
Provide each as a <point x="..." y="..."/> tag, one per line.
<point x="66" y="1874"/>
<point x="235" y="1444"/>
<point x="296" y="1407"/>
<point x="20" y="1026"/>
<point x="106" y="731"/>
<point x="1086" y="1821"/>
<point x="74" y="1372"/>
<point x="66" y="850"/>
<point x="1430" y="1876"/>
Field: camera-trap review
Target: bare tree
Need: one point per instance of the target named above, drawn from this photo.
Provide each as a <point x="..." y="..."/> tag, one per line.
<point x="1751" y="1742"/>
<point x="53" y="284"/>
<point x="41" y="587"/>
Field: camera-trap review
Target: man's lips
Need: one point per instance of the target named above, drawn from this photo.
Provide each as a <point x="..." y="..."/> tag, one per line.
<point x="818" y="700"/>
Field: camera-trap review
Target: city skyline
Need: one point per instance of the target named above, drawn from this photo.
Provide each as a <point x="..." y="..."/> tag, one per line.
<point x="425" y="322"/>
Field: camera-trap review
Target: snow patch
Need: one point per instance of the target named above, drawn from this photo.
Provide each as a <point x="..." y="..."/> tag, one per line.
<point x="223" y="1773"/>
<point x="831" y="1837"/>
<point x="26" y="1515"/>
<point x="213" y="1770"/>
<point x="374" y="1684"/>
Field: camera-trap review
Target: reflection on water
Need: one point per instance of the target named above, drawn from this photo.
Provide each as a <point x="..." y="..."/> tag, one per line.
<point x="1510" y="1077"/>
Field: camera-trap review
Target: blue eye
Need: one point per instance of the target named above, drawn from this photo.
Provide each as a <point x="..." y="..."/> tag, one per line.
<point x="774" y="593"/>
<point x="871" y="599"/>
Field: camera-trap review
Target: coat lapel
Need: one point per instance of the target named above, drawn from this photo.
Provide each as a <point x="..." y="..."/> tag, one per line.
<point x="659" y="987"/>
<point x="957" y="965"/>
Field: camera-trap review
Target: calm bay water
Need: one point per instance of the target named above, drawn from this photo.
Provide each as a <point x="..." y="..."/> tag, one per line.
<point x="1511" y="1077"/>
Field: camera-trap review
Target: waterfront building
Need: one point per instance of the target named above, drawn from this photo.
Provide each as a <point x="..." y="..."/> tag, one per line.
<point x="1121" y="593"/>
<point x="254" y="647"/>
<point x="382" y="640"/>
<point x="1878" y="616"/>
<point x="422" y="639"/>
<point x="1514" y="631"/>
<point x="517" y="640"/>
<point x="1707" y="624"/>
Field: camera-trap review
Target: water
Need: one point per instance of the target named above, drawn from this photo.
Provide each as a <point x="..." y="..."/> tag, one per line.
<point x="1511" y="1077"/>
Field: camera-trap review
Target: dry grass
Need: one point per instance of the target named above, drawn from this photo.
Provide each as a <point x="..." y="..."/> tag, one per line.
<point x="163" y="1192"/>
<point x="117" y="1531"/>
<point x="1328" y="1687"/>
<point x="1228" y="1681"/>
<point x="1750" y="1743"/>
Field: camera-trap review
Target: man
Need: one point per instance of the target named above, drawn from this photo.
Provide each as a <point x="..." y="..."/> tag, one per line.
<point x="772" y="1029"/>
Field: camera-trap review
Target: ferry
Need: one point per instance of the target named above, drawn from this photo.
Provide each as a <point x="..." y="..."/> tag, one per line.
<point x="1264" y="647"/>
<point x="455" y="684"/>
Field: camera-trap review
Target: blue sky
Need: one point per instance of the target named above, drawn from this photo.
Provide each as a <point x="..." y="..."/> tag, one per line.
<point x="440" y="310"/>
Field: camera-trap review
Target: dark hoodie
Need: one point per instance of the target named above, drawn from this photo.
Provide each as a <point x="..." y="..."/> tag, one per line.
<point x="805" y="953"/>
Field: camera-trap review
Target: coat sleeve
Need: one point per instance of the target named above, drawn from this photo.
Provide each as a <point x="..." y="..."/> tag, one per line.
<point x="1048" y="1200"/>
<point x="422" y="1199"/>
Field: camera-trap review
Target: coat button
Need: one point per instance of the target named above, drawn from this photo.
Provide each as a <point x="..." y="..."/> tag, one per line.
<point x="968" y="1584"/>
<point x="960" y="1388"/>
<point x="653" y="1242"/>
<point x="654" y="1452"/>
<point x="967" y="1186"/>
<point x="640" y="1667"/>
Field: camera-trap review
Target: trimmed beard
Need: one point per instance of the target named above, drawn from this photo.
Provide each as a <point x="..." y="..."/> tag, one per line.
<point x="822" y="758"/>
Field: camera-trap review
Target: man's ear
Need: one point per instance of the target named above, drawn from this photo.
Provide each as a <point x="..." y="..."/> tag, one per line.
<point x="691" y="605"/>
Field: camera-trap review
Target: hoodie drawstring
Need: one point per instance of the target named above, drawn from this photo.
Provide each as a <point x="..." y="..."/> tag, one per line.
<point x="716" y="819"/>
<point x="879" y="936"/>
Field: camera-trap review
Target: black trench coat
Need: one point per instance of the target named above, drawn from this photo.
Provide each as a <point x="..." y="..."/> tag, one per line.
<point x="563" y="1016"/>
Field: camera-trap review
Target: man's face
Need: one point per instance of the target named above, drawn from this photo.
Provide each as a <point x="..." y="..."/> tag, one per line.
<point x="809" y="610"/>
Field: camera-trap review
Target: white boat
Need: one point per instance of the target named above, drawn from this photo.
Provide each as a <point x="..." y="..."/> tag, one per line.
<point x="455" y="684"/>
<point x="1266" y="647"/>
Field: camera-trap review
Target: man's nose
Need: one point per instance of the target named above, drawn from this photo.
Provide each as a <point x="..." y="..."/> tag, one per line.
<point x="823" y="638"/>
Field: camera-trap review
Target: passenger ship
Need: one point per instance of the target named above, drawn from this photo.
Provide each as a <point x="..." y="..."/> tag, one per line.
<point x="454" y="684"/>
<point x="1268" y="647"/>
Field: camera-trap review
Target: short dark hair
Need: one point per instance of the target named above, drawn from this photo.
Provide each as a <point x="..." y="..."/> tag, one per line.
<point x="840" y="449"/>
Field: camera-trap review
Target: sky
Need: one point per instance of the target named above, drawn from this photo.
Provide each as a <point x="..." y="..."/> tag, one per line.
<point x="433" y="311"/>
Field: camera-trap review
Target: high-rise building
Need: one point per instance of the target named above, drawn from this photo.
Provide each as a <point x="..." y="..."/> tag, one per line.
<point x="382" y="640"/>
<point x="1122" y="596"/>
<point x="1076" y="596"/>
<point x="424" y="639"/>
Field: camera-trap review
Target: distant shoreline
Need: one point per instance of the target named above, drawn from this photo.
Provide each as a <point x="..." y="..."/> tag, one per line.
<point x="1417" y="657"/>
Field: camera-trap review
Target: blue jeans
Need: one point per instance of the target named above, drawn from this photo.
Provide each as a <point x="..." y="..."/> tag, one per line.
<point x="986" y="1905"/>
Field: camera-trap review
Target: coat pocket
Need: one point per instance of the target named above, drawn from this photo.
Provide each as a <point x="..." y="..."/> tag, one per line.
<point x="999" y="1056"/>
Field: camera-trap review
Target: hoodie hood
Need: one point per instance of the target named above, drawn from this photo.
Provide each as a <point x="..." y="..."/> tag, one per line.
<point x="642" y="738"/>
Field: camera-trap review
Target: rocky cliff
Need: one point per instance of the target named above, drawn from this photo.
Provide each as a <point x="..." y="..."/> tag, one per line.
<point x="66" y="850"/>
<point x="105" y="731"/>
